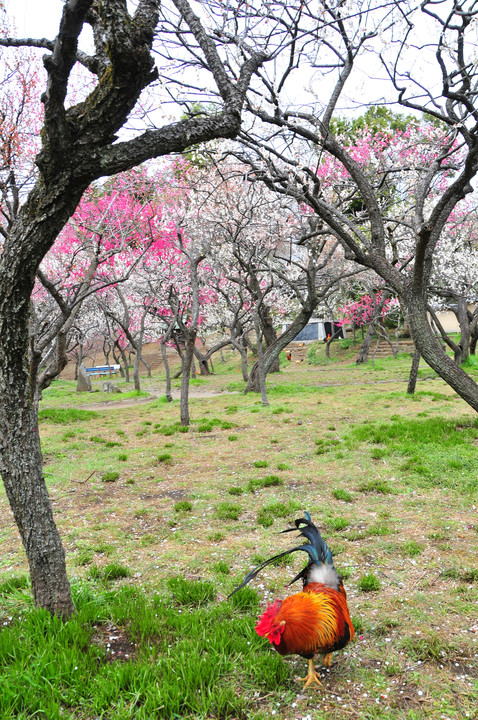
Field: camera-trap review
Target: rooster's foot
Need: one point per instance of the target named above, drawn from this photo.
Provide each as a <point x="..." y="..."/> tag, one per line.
<point x="311" y="677"/>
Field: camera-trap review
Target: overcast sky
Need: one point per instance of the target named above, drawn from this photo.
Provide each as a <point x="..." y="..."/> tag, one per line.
<point x="35" y="18"/>
<point x="40" y="18"/>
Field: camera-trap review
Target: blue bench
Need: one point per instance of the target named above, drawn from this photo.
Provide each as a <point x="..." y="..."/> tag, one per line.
<point x="103" y="370"/>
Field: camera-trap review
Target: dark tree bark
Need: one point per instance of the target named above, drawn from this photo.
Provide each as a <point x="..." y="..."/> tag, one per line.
<point x="269" y="334"/>
<point x="271" y="353"/>
<point x="466" y="322"/>
<point x="473" y="331"/>
<point x="79" y="145"/>
<point x="307" y="291"/>
<point x="413" y="377"/>
<point x="147" y="366"/>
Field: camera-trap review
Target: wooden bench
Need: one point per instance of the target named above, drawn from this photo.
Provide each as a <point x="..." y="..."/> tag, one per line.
<point x="103" y="370"/>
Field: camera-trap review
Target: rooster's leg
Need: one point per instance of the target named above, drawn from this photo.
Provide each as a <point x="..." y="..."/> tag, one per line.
<point x="311" y="675"/>
<point x="327" y="660"/>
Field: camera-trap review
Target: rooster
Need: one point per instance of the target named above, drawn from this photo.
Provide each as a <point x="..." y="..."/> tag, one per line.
<point x="315" y="620"/>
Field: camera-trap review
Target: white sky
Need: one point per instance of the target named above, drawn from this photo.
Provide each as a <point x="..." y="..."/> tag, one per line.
<point x="40" y="18"/>
<point x="35" y="18"/>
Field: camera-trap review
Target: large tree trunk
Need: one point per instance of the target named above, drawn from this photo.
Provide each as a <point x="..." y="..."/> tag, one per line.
<point x="20" y="454"/>
<point x="22" y="475"/>
<point x="473" y="331"/>
<point x="430" y="349"/>
<point x="461" y="313"/>
<point x="261" y="375"/>
<point x="147" y="366"/>
<point x="79" y="146"/>
<point x="241" y="347"/>
<point x="362" y="356"/>
<point x="202" y="362"/>
<point x="125" y="367"/>
<point x="331" y="338"/>
<point x="55" y="366"/>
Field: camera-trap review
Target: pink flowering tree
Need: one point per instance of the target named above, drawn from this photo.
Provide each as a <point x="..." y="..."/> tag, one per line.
<point x="108" y="235"/>
<point x="372" y="311"/>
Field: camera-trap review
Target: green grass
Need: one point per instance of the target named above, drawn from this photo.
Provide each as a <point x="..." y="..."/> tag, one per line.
<point x="390" y="481"/>
<point x="228" y="511"/>
<point x="61" y="392"/>
<point x="65" y="416"/>
<point x="369" y="583"/>
<point x="270" y="512"/>
<point x="381" y="487"/>
<point x="110" y="477"/>
<point x="194" y="594"/>
<point x="122" y="653"/>
<point x="115" y="571"/>
<point x="183" y="506"/>
<point x="235" y="490"/>
<point x="341" y="494"/>
<point x="435" y="451"/>
<point x="164" y="457"/>
<point x="267" y="481"/>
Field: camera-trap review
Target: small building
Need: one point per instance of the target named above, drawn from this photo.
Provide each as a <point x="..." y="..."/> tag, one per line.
<point x="316" y="329"/>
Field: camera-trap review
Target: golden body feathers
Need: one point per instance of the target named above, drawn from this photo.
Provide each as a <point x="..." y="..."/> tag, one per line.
<point x="315" y="620"/>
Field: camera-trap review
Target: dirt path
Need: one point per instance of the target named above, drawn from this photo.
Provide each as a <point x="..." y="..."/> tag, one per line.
<point x="193" y="394"/>
<point x="197" y="393"/>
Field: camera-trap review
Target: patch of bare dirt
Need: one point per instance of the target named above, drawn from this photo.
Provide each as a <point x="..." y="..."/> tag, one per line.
<point x="116" y="642"/>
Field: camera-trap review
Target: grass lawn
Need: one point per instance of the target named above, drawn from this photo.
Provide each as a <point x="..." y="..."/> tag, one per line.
<point x="161" y="522"/>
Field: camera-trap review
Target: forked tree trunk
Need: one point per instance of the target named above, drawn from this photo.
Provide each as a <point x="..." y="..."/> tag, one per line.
<point x="332" y="337"/>
<point x="242" y="349"/>
<point x="261" y="375"/>
<point x="147" y="366"/>
<point x="269" y="335"/>
<point x="125" y="367"/>
<point x="78" y="147"/>
<point x="272" y="353"/>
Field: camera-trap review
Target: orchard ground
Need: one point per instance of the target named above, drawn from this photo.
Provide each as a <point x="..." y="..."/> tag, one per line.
<point x="159" y="525"/>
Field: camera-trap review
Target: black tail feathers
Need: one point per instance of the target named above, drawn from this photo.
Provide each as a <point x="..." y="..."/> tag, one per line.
<point x="316" y="548"/>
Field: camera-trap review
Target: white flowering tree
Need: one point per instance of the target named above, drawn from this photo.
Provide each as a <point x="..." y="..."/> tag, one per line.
<point x="454" y="281"/>
<point x="388" y="198"/>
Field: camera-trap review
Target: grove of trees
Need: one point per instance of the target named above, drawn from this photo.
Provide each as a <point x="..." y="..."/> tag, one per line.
<point x="285" y="178"/>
